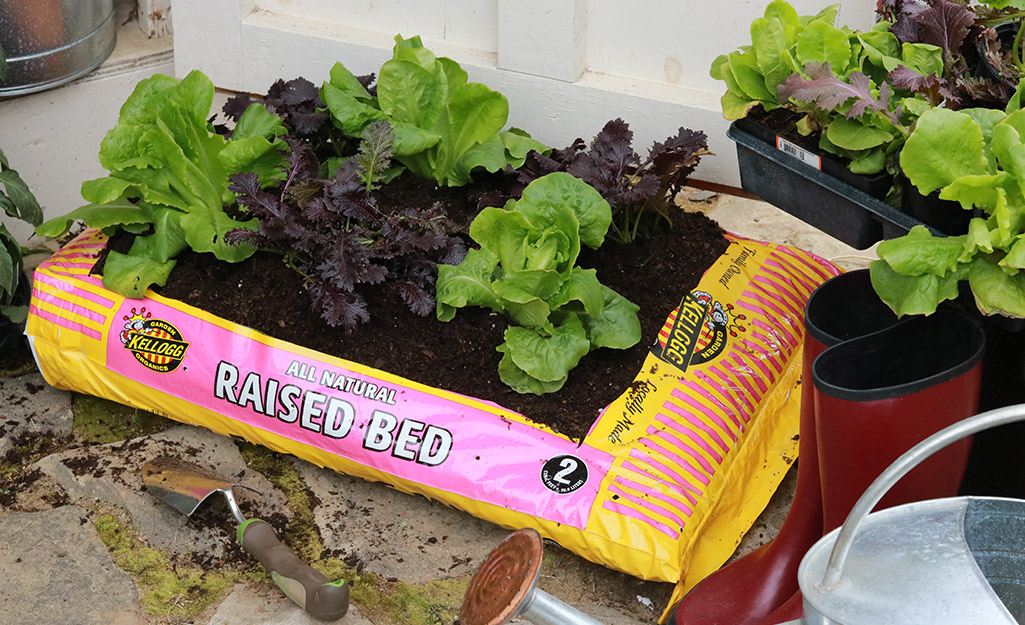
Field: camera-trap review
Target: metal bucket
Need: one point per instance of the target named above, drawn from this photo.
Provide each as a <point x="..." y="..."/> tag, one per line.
<point x="957" y="561"/>
<point x="51" y="42"/>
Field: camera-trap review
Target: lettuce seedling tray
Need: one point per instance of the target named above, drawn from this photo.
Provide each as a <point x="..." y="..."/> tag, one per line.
<point x="840" y="210"/>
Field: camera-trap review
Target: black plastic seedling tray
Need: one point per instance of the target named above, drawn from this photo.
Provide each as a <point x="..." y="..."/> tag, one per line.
<point x="839" y="209"/>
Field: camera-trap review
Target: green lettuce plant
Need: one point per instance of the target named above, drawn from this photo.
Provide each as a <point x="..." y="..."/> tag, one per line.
<point x="837" y="77"/>
<point x="526" y="269"/>
<point x="975" y="157"/>
<point x="17" y="201"/>
<point x="753" y="73"/>
<point x="445" y="127"/>
<point x="168" y="180"/>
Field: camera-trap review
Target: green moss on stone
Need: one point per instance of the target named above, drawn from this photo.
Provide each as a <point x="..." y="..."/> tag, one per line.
<point x="168" y="588"/>
<point x="432" y="603"/>
<point x="103" y="421"/>
<point x="301" y="533"/>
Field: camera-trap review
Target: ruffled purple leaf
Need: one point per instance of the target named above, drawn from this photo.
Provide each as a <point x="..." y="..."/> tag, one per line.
<point x="944" y="24"/>
<point x="830" y="93"/>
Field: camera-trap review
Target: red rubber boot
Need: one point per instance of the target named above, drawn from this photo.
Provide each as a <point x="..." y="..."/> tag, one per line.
<point x="748" y="589"/>
<point x="876" y="397"/>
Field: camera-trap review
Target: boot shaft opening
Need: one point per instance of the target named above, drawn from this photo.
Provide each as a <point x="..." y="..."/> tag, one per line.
<point x="912" y="355"/>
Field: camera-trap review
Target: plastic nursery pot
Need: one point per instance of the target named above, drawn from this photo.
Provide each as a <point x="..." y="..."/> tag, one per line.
<point x="790" y="183"/>
<point x="984" y="66"/>
<point x="876" y="185"/>
<point x="997" y="466"/>
<point x="944" y="216"/>
<point x="11" y="334"/>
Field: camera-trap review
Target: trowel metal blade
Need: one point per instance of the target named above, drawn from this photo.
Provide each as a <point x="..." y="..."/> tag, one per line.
<point x="181" y="484"/>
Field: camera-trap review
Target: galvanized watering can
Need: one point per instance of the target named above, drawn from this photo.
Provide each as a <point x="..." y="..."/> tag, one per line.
<point x="51" y="42"/>
<point x="955" y="561"/>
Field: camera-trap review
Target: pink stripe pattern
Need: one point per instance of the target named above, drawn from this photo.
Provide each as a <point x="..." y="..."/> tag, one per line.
<point x="666" y="479"/>
<point x="647" y="500"/>
<point x="635" y="514"/>
<point x="73" y="290"/>
<point x="70" y="307"/>
<point x="710" y="414"/>
<point x="66" y="323"/>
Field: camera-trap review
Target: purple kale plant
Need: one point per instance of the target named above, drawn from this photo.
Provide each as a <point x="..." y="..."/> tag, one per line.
<point x="641" y="191"/>
<point x="334" y="234"/>
<point x="980" y="69"/>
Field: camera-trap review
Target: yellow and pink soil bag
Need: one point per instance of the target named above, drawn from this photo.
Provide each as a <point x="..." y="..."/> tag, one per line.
<point x="663" y="487"/>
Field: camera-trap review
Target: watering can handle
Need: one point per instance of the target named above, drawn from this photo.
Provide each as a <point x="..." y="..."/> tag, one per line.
<point x="900" y="467"/>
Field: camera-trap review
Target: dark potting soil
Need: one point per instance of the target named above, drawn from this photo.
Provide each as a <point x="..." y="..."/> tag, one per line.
<point x="783" y="122"/>
<point x="264" y="294"/>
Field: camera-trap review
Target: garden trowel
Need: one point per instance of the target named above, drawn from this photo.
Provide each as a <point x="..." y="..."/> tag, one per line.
<point x="184" y="486"/>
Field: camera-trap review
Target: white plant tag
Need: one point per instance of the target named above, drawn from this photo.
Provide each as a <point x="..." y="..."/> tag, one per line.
<point x="788" y="147"/>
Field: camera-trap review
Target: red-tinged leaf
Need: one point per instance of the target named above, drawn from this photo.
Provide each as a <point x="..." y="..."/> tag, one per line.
<point x="368" y="80"/>
<point x="339" y="308"/>
<point x="299" y="91"/>
<point x="829" y="93"/>
<point x="419" y="299"/>
<point x="904" y="15"/>
<point x="944" y="24"/>
<point x="675" y="160"/>
<point x="236" y="105"/>
<point x="906" y="78"/>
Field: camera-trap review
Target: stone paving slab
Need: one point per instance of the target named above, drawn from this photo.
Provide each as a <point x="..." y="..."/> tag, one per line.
<point x="395" y="535"/>
<point x="28" y="405"/>
<point x="255" y="604"/>
<point x="57" y="570"/>
<point x="112" y="473"/>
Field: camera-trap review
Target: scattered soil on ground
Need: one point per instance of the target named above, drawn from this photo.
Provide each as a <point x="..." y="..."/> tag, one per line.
<point x="264" y="294"/>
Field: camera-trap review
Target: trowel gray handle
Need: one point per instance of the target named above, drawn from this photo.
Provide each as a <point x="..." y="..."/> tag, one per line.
<point x="323" y="600"/>
<point x="900" y="467"/>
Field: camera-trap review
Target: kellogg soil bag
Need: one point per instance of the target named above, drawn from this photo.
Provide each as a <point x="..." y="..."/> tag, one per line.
<point x="663" y="487"/>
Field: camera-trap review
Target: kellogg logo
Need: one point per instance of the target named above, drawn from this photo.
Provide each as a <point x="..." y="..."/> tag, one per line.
<point x="156" y="344"/>
<point x="698" y="331"/>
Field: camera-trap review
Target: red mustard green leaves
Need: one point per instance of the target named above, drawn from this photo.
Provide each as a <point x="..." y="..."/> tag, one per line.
<point x="334" y="233"/>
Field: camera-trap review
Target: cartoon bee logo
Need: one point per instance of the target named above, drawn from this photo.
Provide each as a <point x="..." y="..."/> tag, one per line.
<point x="698" y="330"/>
<point x="136" y="323"/>
<point x="155" y="343"/>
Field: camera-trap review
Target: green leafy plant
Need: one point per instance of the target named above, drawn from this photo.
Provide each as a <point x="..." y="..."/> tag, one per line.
<point x="782" y="42"/>
<point x="975" y="157"/>
<point x="837" y="77"/>
<point x="859" y="120"/>
<point x="962" y="35"/>
<point x="168" y="179"/>
<point x="641" y="191"/>
<point x="17" y="201"/>
<point x="374" y="156"/>
<point x="445" y="127"/>
<point x="526" y="269"/>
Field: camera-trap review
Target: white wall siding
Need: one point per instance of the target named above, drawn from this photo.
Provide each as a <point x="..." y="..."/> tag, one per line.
<point x="567" y="66"/>
<point x="466" y="23"/>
